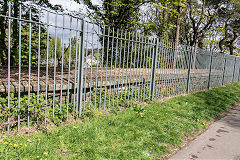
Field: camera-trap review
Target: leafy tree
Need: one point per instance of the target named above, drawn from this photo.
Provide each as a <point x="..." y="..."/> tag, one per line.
<point x="15" y="13"/>
<point x="229" y="15"/>
<point x="122" y="14"/>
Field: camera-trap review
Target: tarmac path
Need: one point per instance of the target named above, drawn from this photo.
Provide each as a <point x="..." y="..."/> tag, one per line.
<point x="220" y="141"/>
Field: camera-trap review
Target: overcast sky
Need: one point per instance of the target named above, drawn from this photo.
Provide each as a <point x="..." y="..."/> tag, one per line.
<point x="70" y="6"/>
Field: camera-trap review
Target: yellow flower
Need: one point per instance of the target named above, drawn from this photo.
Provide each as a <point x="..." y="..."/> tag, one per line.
<point x="198" y="120"/>
<point x="74" y="127"/>
<point x="37" y="157"/>
<point x="100" y="113"/>
<point x="6" y="142"/>
<point x="203" y="123"/>
<point x="45" y="153"/>
<point x="151" y="148"/>
<point x="21" y="144"/>
<point x="15" y="145"/>
<point x="38" y="139"/>
<point x="0" y="141"/>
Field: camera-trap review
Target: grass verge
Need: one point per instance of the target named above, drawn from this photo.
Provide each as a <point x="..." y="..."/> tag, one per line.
<point x="136" y="133"/>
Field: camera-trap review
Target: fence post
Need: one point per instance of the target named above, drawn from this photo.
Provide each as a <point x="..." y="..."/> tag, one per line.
<point x="234" y="69"/>
<point x="189" y="69"/>
<point x="210" y="70"/>
<point x="80" y="70"/>
<point x="154" y="65"/>
<point x="224" y="67"/>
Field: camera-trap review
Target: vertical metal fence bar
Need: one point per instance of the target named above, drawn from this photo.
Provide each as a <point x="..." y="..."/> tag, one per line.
<point x="151" y="53"/>
<point x="124" y="57"/>
<point x="38" y="74"/>
<point x="146" y="70"/>
<point x="62" y="65"/>
<point x="119" y="70"/>
<point x="235" y="60"/>
<point x="9" y="63"/>
<point x="75" y="70"/>
<point x="110" y="83"/>
<point x="115" y="67"/>
<point x="189" y="69"/>
<point x="91" y="72"/>
<point x="86" y="67"/>
<point x="108" y="40"/>
<point x="78" y="80"/>
<point x="137" y="67"/>
<point x="184" y="68"/>
<point x="55" y="63"/>
<point x="174" y="75"/>
<point x="159" y="70"/>
<point x="168" y="81"/>
<point x="80" y="69"/>
<point x="128" y="52"/>
<point x="178" y="80"/>
<point x="210" y="70"/>
<point x="177" y="70"/>
<point x="130" y="65"/>
<point x="46" y="96"/>
<point x="134" y="60"/>
<point x="224" y="68"/>
<point x="19" y="65"/>
<point x="96" y="82"/>
<point x="69" y="64"/>
<point x="170" y="69"/>
<point x="164" y="68"/>
<point x="111" y="63"/>
<point x="165" y="78"/>
<point x="29" y="63"/>
<point x="103" y="44"/>
<point x="154" y="65"/>
<point x="140" y="69"/>
<point x="143" y="69"/>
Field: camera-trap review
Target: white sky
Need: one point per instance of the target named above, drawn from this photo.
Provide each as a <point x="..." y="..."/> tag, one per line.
<point x="69" y="6"/>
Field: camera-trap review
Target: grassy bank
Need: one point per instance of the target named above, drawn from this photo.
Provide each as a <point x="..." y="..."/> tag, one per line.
<point x="137" y="133"/>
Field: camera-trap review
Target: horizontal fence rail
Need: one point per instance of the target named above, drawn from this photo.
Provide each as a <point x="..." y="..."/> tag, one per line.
<point x="57" y="67"/>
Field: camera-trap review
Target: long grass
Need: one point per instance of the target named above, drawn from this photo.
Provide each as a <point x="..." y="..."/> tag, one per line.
<point x="136" y="133"/>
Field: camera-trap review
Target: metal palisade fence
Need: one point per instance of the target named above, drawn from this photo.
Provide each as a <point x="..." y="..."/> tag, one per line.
<point x="57" y="67"/>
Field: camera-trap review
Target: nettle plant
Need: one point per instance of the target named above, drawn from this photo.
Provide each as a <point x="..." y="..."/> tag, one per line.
<point x="41" y="112"/>
<point x="33" y="107"/>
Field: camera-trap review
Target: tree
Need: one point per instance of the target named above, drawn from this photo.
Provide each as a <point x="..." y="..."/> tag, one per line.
<point x="15" y="6"/>
<point x="122" y="14"/>
<point x="164" y="19"/>
<point x="200" y="17"/>
<point x="229" y="15"/>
